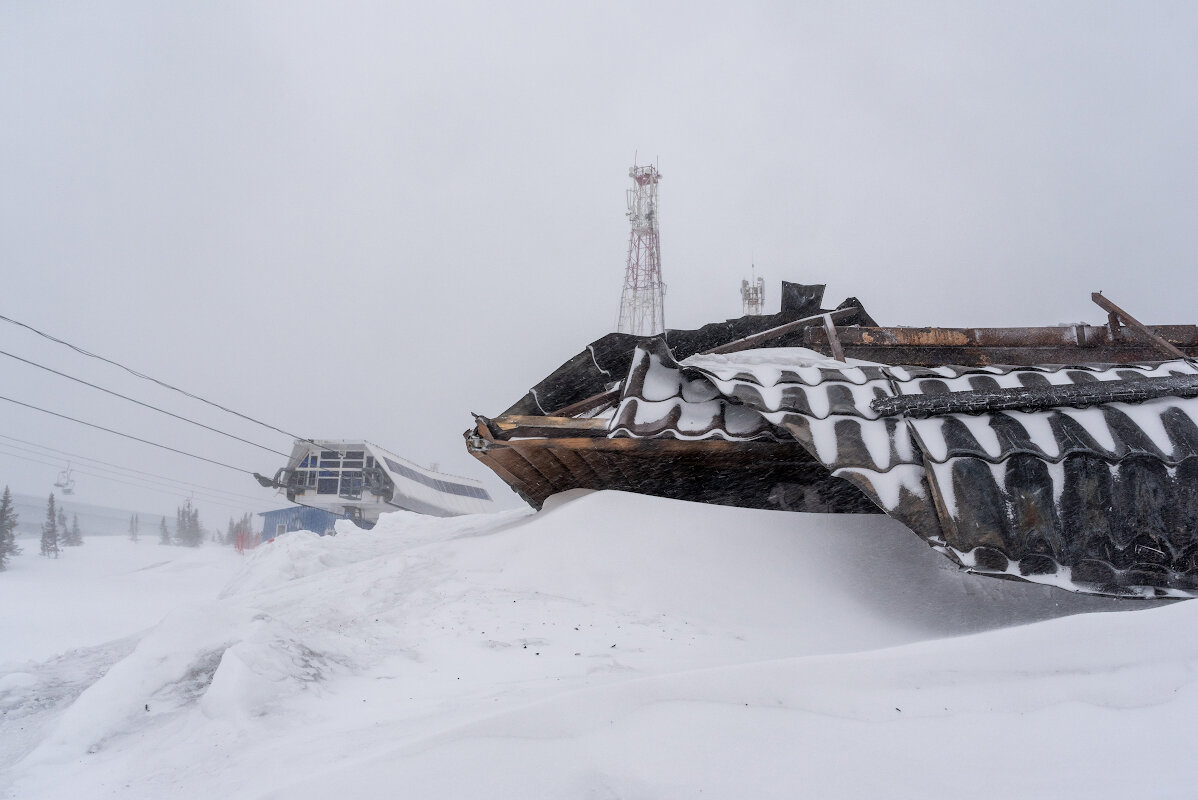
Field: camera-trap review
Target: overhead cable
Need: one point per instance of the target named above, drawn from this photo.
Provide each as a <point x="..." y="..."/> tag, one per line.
<point x="140" y="403"/>
<point x="44" y="451"/>
<point x="220" y="501"/>
<point x="129" y="436"/>
<point x="143" y="376"/>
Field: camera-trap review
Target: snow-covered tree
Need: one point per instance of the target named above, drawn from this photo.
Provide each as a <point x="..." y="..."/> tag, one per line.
<point x="50" y="530"/>
<point x="62" y="524"/>
<point x="164" y="536"/>
<point x="187" y="526"/>
<point x="134" y="528"/>
<point x="73" y="537"/>
<point x="8" y="529"/>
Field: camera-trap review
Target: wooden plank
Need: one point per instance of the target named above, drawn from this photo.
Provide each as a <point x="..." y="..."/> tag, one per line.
<point x="833" y="339"/>
<point x="550" y="469"/>
<point x="1132" y="353"/>
<point x="615" y="460"/>
<point x="1137" y="326"/>
<point x="513" y="421"/>
<point x="589" y="403"/>
<point x="582" y="472"/>
<point x="531" y="482"/>
<point x="1054" y="336"/>
<point x="493" y="465"/>
<point x="773" y="333"/>
<point x="594" y="460"/>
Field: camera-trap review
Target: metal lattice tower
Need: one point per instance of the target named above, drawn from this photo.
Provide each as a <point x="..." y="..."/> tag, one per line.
<point x="752" y="295"/>
<point x="642" y="310"/>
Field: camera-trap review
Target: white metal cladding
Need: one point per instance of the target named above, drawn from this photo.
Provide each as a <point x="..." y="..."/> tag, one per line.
<point x="330" y="474"/>
<point x="430" y="492"/>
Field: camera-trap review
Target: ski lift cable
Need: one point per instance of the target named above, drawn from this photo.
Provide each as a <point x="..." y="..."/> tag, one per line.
<point x="140" y="403"/>
<point x="143" y="376"/>
<point x="44" y="451"/>
<point x="174" y="492"/>
<point x="130" y="436"/>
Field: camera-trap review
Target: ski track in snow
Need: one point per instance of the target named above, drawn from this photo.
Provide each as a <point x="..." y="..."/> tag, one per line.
<point x="610" y="646"/>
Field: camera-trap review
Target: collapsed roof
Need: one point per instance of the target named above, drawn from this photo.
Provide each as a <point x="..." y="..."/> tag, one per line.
<point x="1075" y="463"/>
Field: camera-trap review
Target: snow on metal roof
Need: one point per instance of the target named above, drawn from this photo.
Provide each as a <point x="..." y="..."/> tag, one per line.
<point x="1099" y="498"/>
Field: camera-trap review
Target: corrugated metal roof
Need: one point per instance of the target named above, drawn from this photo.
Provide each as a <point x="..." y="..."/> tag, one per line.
<point x="1102" y="498"/>
<point x="658" y="400"/>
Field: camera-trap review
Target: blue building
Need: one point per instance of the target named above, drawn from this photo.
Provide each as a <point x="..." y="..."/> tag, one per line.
<point x="300" y="518"/>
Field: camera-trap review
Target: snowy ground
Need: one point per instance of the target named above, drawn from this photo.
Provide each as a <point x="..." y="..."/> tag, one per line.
<point x="612" y="646"/>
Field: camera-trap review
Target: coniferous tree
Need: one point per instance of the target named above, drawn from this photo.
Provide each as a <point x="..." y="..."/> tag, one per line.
<point x="164" y="536"/>
<point x="50" y="531"/>
<point x="134" y="526"/>
<point x="8" y="529"/>
<point x="187" y="526"/>
<point x="73" y="537"/>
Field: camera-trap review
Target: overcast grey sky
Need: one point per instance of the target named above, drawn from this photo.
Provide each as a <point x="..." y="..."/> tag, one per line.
<point x="361" y="219"/>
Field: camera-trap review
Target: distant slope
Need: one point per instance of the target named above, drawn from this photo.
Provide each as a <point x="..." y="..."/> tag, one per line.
<point x="94" y="520"/>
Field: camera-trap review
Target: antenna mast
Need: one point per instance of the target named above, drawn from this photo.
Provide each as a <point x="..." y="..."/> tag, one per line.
<point x="752" y="295"/>
<point x="642" y="310"/>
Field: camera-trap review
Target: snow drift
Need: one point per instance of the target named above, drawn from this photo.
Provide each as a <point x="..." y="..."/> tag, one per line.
<point x="618" y="645"/>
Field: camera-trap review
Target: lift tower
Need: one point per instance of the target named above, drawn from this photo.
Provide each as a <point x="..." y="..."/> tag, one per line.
<point x="641" y="305"/>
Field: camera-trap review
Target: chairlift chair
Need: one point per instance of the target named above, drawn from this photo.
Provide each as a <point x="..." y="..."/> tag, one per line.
<point x="65" y="482"/>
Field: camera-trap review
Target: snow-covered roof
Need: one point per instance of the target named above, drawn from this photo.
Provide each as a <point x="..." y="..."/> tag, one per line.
<point x="1101" y="497"/>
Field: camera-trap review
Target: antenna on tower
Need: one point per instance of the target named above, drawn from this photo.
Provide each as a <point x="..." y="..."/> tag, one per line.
<point x="752" y="294"/>
<point x="642" y="310"/>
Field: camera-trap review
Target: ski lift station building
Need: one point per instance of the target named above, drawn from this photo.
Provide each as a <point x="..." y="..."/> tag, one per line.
<point x="361" y="480"/>
<point x="297" y="518"/>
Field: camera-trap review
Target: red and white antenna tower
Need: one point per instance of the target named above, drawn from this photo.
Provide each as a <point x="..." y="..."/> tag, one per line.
<point x="752" y="295"/>
<point x="642" y="310"/>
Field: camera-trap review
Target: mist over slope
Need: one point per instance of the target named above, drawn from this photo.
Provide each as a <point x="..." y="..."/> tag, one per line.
<point x="612" y="645"/>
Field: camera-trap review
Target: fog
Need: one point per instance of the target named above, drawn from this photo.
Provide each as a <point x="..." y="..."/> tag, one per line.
<point x="365" y="220"/>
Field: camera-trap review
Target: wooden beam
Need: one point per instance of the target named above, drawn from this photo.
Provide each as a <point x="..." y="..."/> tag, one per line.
<point x="1184" y="336"/>
<point x="601" y="467"/>
<point x="588" y="403"/>
<point x="833" y="339"/>
<point x="773" y="333"/>
<point x="531" y="482"/>
<point x="586" y="476"/>
<point x="1137" y="326"/>
<point x="550" y="469"/>
<point x="494" y="465"/>
<point x="512" y="422"/>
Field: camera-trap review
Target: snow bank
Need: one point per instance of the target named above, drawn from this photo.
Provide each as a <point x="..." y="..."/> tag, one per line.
<point x="106" y="589"/>
<point x="616" y="645"/>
